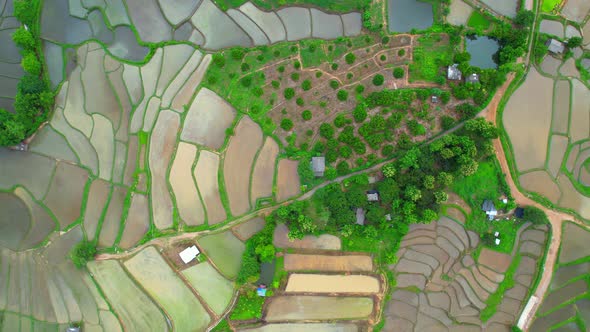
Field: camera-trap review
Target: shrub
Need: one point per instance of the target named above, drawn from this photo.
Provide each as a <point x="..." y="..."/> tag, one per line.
<point x="341" y="120"/>
<point x="345" y="151"/>
<point x="342" y="95"/>
<point x="385" y="40"/>
<point x="326" y="130"/>
<point x="219" y="60"/>
<point x="245" y="67"/>
<point x="295" y="77"/>
<point x="286" y="124"/>
<point x="535" y="215"/>
<point x="343" y="168"/>
<point x="416" y="128"/>
<point x="350" y="58"/>
<point x="306" y="85"/>
<point x="275" y="84"/>
<point x="31" y="64"/>
<point x="299" y="101"/>
<point x="82" y="253"/>
<point x="281" y="69"/>
<point x="296" y="64"/>
<point x="24" y="39"/>
<point x="447" y="122"/>
<point x="378" y="80"/>
<point x="359" y="89"/>
<point x="383" y="57"/>
<point x="246" y="81"/>
<point x="401" y="52"/>
<point x="306" y="115"/>
<point x="238" y="53"/>
<point x="257" y="91"/>
<point x="349" y="76"/>
<point x="289" y="93"/>
<point x="309" y="132"/>
<point x="318" y="74"/>
<point x="387" y="150"/>
<point x="398" y="72"/>
<point x="574" y="42"/>
<point x="359" y="113"/>
<point x="334" y="66"/>
<point x="334" y="84"/>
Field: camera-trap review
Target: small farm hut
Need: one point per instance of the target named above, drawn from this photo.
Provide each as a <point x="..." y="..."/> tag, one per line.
<point x="188" y="254"/>
<point x="372" y="195"/>
<point x="318" y="165"/>
<point x="453" y="72"/>
<point x="489" y="208"/>
<point x="555" y="46"/>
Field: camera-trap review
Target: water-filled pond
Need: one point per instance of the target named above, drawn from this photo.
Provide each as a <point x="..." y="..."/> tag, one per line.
<point x="267" y="272"/>
<point x="405" y="15"/>
<point x="482" y="50"/>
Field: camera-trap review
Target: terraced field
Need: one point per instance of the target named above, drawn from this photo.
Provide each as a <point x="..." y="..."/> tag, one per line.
<point x="550" y="151"/>
<point x="446" y="279"/>
<point x="567" y="303"/>
<point x="10" y="57"/>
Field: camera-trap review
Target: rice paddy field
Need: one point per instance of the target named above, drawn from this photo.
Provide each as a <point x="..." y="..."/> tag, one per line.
<point x="550" y="151"/>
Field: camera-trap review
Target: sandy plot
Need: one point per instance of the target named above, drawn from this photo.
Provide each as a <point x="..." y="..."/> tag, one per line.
<point x="98" y="195"/>
<point x="249" y="27"/>
<point x="48" y="142"/>
<point x="245" y="230"/>
<point x="572" y="199"/>
<point x="181" y="179"/>
<point x="112" y="218"/>
<point x="103" y="141"/>
<point x="576" y="10"/>
<point x="137" y="223"/>
<point x="290" y="308"/>
<point x="207" y="120"/>
<point x="459" y="13"/>
<point x="504" y="7"/>
<point x="269" y="22"/>
<point x="352" y="263"/>
<point x="324" y="241"/>
<point x="497" y="261"/>
<point x="561" y="107"/>
<point x="100" y="97"/>
<point x="580" y="118"/>
<point x="187" y="91"/>
<point x="135" y="309"/>
<point x="300" y="327"/>
<point x="175" y="56"/>
<point x="162" y="143"/>
<point x="552" y="27"/>
<point x="160" y="281"/>
<point x="288" y="184"/>
<point x="575" y="241"/>
<point x="325" y="26"/>
<point x="149" y="21"/>
<point x="181" y="79"/>
<point x="219" y="29"/>
<point x="15" y="221"/>
<point x="206" y="175"/>
<point x="318" y="283"/>
<point x="297" y="22"/>
<point x="557" y="149"/>
<point x="149" y="77"/>
<point x="66" y="192"/>
<point x="237" y="165"/>
<point x="527" y="121"/>
<point x="264" y="169"/>
<point x="79" y="143"/>
<point x="225" y="250"/>
<point x="550" y="65"/>
<point x="178" y="11"/>
<point x="41" y="222"/>
<point x="211" y="286"/>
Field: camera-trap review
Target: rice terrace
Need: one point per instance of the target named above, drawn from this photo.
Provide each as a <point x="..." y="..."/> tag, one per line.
<point x="294" y="165"/>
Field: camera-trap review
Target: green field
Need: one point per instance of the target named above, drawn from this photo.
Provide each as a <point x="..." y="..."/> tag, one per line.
<point x="478" y="21"/>
<point x="225" y="250"/>
<point x="430" y="56"/>
<point x="213" y="288"/>
<point x="549" y="5"/>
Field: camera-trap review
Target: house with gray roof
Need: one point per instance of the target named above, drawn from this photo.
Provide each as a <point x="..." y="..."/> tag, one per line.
<point x="473" y="78"/>
<point x="372" y="196"/>
<point x="360" y="216"/>
<point x="489" y="208"/>
<point x="318" y="165"/>
<point x="555" y="46"/>
<point x="453" y="73"/>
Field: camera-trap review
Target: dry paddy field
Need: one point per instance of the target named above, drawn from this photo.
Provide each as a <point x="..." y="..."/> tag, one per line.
<point x="288" y="184"/>
<point x="317" y="308"/>
<point x="324" y="241"/>
<point x="442" y="287"/>
<point x="264" y="169"/>
<point x="331" y="263"/>
<point x="321" y="283"/>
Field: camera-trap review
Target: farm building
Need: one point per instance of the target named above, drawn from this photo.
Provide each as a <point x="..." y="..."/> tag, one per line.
<point x="372" y="195"/>
<point x="473" y="78"/>
<point x="188" y="254"/>
<point x="318" y="165"/>
<point x="73" y="329"/>
<point x="434" y="99"/>
<point x="360" y="216"/>
<point x="489" y="208"/>
<point x="453" y="73"/>
<point x="555" y="46"/>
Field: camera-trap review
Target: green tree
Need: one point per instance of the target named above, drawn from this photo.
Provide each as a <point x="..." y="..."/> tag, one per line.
<point x="289" y="93"/>
<point x="428" y="182"/>
<point x="412" y="193"/>
<point x="266" y="252"/>
<point x="482" y="128"/>
<point x="306" y="115"/>
<point x="342" y="95"/>
<point x="378" y="80"/>
<point x="574" y="42"/>
<point x="360" y="112"/>
<point x="82" y="253"/>
<point x="326" y="130"/>
<point x="334" y="84"/>
<point x="524" y="18"/>
<point x="535" y="215"/>
<point x="26" y="11"/>
<point x="398" y="72"/>
<point x="350" y="58"/>
<point x="306" y="85"/>
<point x="286" y="124"/>
<point x="24" y="39"/>
<point x="389" y="170"/>
<point x="429" y="216"/>
<point x="440" y="197"/>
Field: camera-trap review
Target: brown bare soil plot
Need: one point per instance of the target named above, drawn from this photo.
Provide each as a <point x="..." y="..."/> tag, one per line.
<point x="540" y="182"/>
<point x="528" y="120"/>
<point x="137" y="223"/>
<point x="498" y="261"/>
<point x="206" y="176"/>
<point x="237" y="165"/>
<point x="288" y="184"/>
<point x="318" y="283"/>
<point x="352" y="263"/>
<point x="264" y="169"/>
<point x="324" y="241"/>
<point x="97" y="199"/>
<point x="246" y="230"/>
<point x="184" y="188"/>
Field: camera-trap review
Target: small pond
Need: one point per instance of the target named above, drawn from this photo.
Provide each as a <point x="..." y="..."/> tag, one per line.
<point x="482" y="49"/>
<point x="405" y="15"/>
<point x="267" y="272"/>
